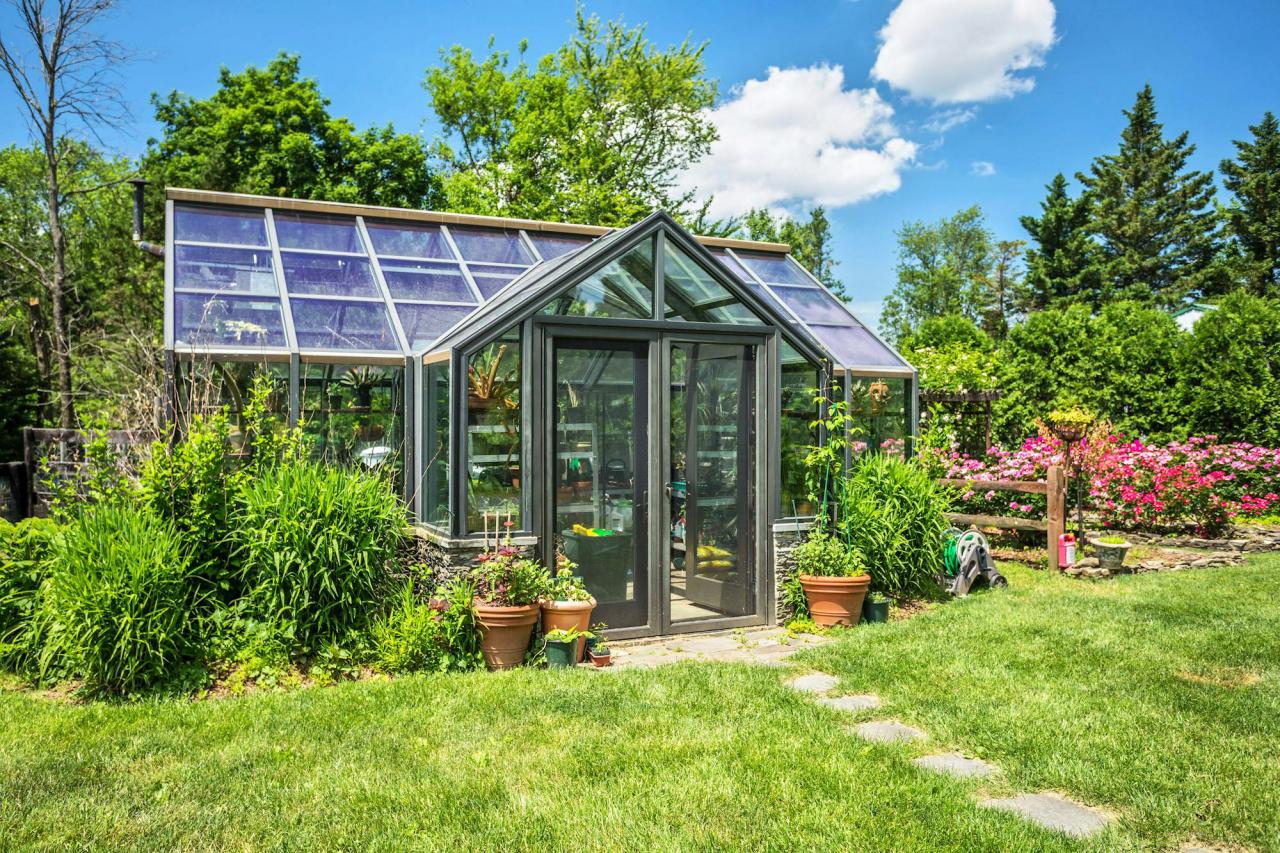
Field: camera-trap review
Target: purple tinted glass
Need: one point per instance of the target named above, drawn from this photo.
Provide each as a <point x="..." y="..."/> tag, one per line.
<point x="212" y="225"/>
<point x="216" y="268"/>
<point x="434" y="282"/>
<point x="854" y="346"/>
<point x="329" y="324"/>
<point x="409" y="241"/>
<point x="492" y="279"/>
<point x="497" y="247"/>
<point x="228" y="320"/>
<point x="812" y="304"/>
<point x="324" y="233"/>
<point x="423" y="324"/>
<point x="553" y="246"/>
<point x="328" y="275"/>
<point x="734" y="267"/>
<point x="775" y="269"/>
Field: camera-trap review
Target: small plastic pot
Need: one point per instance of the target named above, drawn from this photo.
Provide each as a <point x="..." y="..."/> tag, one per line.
<point x="561" y="655"/>
<point x="875" y="610"/>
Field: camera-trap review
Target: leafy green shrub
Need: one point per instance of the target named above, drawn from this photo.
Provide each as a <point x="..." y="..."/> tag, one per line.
<point x="439" y="635"/>
<point x="313" y="544"/>
<point x="119" y="598"/>
<point x="891" y="512"/>
<point x="24" y="565"/>
<point x="823" y="555"/>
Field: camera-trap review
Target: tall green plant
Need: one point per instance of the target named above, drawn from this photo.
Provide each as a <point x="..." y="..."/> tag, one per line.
<point x="24" y="565"/>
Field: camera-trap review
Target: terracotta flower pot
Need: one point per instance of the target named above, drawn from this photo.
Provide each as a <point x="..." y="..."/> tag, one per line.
<point x="505" y="632"/>
<point x="567" y="615"/>
<point x="835" y="601"/>
<point x="601" y="659"/>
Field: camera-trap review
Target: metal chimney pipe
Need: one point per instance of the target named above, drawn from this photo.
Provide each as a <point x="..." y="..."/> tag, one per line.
<point x="139" y="185"/>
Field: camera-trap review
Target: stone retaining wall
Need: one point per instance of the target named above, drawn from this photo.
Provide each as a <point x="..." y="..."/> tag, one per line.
<point x="1244" y="537"/>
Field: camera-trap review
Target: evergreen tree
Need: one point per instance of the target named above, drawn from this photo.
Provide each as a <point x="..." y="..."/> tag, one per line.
<point x="1062" y="265"/>
<point x="810" y="242"/>
<point x="1153" y="217"/>
<point x="1253" y="217"/>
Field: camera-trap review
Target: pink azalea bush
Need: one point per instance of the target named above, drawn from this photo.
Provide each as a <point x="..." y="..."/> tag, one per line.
<point x="1131" y="484"/>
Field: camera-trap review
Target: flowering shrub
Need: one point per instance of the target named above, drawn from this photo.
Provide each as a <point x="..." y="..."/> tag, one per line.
<point x="1132" y="484"/>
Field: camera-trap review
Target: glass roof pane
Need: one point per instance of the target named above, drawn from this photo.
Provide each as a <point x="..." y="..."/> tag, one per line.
<point x="734" y="267"/>
<point x="328" y="275"/>
<point x="424" y="323"/>
<point x="492" y="279"/>
<point x="441" y="282"/>
<point x="812" y="304"/>
<point x="226" y="320"/>
<point x="854" y="346"/>
<point x="325" y="233"/>
<point x="331" y="324"/>
<point x="554" y="245"/>
<point x="498" y="247"/>
<point x="213" y="225"/>
<point x="693" y="295"/>
<point x="775" y="269"/>
<point x="622" y="289"/>
<point x="409" y="241"/>
<point x="213" y="268"/>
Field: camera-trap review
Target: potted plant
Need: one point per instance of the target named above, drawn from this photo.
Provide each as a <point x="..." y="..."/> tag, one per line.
<point x="833" y="577"/>
<point x="509" y="591"/>
<point x="561" y="647"/>
<point x="875" y="608"/>
<point x="567" y="604"/>
<point x="361" y="380"/>
<point x="1111" y="551"/>
<point x="598" y="650"/>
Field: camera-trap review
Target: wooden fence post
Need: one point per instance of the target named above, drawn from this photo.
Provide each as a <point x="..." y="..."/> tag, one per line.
<point x="1057" y="512"/>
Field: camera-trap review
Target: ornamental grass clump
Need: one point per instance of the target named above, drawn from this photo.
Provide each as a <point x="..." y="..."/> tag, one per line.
<point x="118" y="599"/>
<point x="313" y="544"/>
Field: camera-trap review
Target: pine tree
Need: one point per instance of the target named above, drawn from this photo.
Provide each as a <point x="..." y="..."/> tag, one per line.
<point x="1253" y="217"/>
<point x="1062" y="266"/>
<point x="1153" y="217"/>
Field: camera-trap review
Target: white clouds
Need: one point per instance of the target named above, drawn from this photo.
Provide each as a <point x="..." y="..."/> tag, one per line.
<point x="944" y="120"/>
<point x="957" y="51"/>
<point x="982" y="168"/>
<point x="799" y="137"/>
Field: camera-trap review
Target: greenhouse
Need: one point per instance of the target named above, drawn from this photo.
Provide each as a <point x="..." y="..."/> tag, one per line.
<point x="638" y="400"/>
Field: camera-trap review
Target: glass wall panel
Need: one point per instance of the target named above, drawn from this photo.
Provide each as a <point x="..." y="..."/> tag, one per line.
<point x="228" y="320"/>
<point x="435" y="469"/>
<point x="692" y="294"/>
<point x="553" y="246"/>
<point x="353" y="414"/>
<point x="801" y="380"/>
<point x="323" y="233"/>
<point x="624" y="288"/>
<point x="409" y="241"/>
<point x="328" y="275"/>
<point x="211" y="225"/>
<point x="331" y="324"/>
<point x="217" y="268"/>
<point x="775" y="269"/>
<point x="813" y="304"/>
<point x="205" y="387"/>
<point x="423" y="324"/>
<point x="493" y="457"/>
<point x="878" y="409"/>
<point x="498" y="247"/>
<point x="442" y="282"/>
<point x="854" y="346"/>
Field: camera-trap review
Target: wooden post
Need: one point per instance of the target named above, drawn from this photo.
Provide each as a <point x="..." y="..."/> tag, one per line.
<point x="1057" y="512"/>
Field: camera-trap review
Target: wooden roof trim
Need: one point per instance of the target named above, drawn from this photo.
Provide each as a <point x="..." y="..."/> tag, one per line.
<point x="432" y="216"/>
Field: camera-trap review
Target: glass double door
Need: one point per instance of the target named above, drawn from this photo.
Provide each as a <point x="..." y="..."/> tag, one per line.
<point x="653" y="474"/>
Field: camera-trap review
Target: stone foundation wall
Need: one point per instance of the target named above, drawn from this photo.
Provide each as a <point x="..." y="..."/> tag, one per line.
<point x="785" y="538"/>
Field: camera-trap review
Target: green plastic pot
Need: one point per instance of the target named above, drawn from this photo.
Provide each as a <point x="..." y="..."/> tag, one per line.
<point x="875" y="609"/>
<point x="561" y="655"/>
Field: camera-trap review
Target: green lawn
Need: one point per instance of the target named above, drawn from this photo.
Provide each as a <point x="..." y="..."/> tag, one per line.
<point x="1120" y="694"/>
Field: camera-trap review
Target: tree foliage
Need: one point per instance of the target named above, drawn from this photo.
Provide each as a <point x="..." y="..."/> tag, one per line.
<point x="599" y="131"/>
<point x="1062" y="262"/>
<point x="1253" y="217"/>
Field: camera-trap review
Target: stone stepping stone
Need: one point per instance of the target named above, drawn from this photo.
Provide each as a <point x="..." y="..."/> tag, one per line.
<point x="814" y="682"/>
<point x="1053" y="812"/>
<point x="852" y="703"/>
<point x="956" y="764"/>
<point x="710" y="644"/>
<point x="888" y="731"/>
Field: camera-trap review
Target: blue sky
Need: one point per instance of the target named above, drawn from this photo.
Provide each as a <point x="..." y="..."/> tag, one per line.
<point x="1030" y="87"/>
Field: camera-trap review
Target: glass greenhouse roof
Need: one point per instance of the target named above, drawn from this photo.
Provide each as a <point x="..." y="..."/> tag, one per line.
<point x="253" y="275"/>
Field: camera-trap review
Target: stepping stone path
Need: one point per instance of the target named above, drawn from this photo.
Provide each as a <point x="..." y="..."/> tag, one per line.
<point x="855" y="702"/>
<point x="888" y="731"/>
<point x="955" y="764"/>
<point x="817" y="682"/>
<point x="1053" y="812"/>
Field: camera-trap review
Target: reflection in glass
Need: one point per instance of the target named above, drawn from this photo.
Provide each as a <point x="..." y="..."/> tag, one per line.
<point x="435" y="468"/>
<point x="496" y="247"/>
<point x="321" y="233"/>
<point x="492" y="279"/>
<point x="442" y="282"/>
<point x="692" y="294"/>
<point x="599" y="473"/>
<point x="878" y="415"/>
<point x="205" y="387"/>
<point x="328" y="275"/>
<point x="332" y="324"/>
<point x="423" y="324"/>
<point x="775" y="269"/>
<point x="624" y="288"/>
<point x="353" y="414"/>
<point x="853" y="345"/>
<point x="409" y="241"/>
<point x="213" y="225"/>
<point x="801" y="380"/>
<point x="813" y="304"/>
<point x="225" y="319"/>
<point x="216" y="268"/>
<point x="493" y="433"/>
<point x="734" y="267"/>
